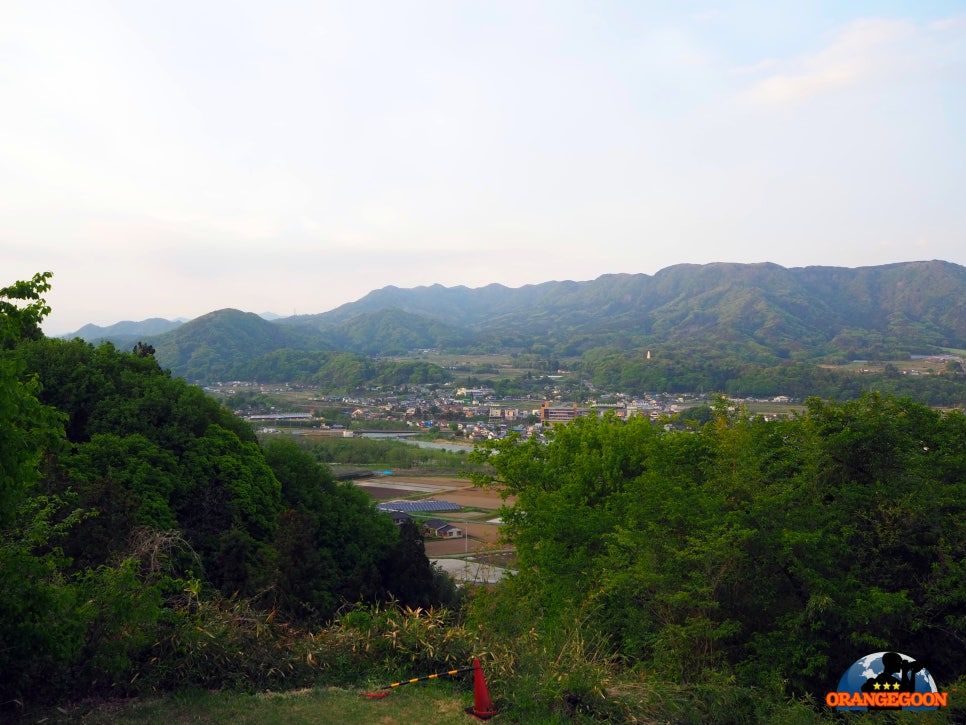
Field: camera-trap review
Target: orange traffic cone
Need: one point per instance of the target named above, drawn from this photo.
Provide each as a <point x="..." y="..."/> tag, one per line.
<point x="482" y="707"/>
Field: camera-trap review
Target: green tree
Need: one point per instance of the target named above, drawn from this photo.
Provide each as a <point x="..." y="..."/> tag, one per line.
<point x="129" y="481"/>
<point x="23" y="309"/>
<point x="407" y="573"/>
<point x="569" y="497"/>
<point x="27" y="427"/>
<point x="337" y="554"/>
<point x="773" y="552"/>
<point x="227" y="505"/>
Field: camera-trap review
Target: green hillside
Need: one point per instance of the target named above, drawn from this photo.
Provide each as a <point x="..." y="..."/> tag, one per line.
<point x="757" y="311"/>
<point x="724" y="571"/>
<point x="748" y="330"/>
<point x="210" y="347"/>
<point x="801" y="311"/>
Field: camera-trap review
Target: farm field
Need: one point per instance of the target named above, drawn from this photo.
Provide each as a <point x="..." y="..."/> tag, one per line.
<point x="934" y="365"/>
<point x="449" y="488"/>
<point x="483" y="505"/>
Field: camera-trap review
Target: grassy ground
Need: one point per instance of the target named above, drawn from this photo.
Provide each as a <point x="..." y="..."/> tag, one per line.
<point x="430" y="703"/>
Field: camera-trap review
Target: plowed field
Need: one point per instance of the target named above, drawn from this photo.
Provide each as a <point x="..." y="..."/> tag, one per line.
<point x="482" y="535"/>
<point x="458" y="490"/>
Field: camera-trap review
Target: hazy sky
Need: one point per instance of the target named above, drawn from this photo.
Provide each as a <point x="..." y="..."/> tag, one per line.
<point x="168" y="158"/>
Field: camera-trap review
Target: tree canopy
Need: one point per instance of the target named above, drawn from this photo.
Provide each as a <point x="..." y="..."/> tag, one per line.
<point x="776" y="551"/>
<point x="102" y="453"/>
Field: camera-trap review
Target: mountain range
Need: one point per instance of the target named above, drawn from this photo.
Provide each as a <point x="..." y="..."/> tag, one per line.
<point x="762" y="312"/>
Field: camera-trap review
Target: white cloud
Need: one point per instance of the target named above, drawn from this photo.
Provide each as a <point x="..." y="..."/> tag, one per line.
<point x="865" y="53"/>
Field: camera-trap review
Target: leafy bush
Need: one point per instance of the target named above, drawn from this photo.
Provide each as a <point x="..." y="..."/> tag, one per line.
<point x="224" y="643"/>
<point x="395" y="640"/>
<point x="762" y="554"/>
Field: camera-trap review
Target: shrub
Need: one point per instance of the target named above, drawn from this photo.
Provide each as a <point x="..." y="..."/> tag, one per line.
<point x="393" y="639"/>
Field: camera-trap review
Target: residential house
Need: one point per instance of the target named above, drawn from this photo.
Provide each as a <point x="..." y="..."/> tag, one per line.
<point x="441" y="529"/>
<point x="399" y="517"/>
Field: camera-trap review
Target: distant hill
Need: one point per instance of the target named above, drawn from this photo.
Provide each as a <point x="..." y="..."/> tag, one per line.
<point x="388" y="331"/>
<point x="127" y="333"/>
<point x="810" y="310"/>
<point x="759" y="313"/>
<point x="218" y="346"/>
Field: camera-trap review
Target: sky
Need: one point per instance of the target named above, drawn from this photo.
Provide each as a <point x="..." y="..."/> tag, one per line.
<point x="170" y="158"/>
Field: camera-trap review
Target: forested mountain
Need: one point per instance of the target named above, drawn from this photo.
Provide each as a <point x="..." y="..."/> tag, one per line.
<point x="127" y="333"/>
<point x="233" y="345"/>
<point x="807" y="311"/>
<point x="211" y="347"/>
<point x="713" y="326"/>
<point x="392" y="331"/>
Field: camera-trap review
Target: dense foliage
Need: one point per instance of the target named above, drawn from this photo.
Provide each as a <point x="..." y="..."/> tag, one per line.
<point x="131" y="501"/>
<point x="385" y="453"/>
<point x="774" y="552"/>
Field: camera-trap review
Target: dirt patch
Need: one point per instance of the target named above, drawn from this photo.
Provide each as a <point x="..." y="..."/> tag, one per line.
<point x="481" y="536"/>
<point x="485" y="532"/>
<point x="382" y="494"/>
<point x="452" y="546"/>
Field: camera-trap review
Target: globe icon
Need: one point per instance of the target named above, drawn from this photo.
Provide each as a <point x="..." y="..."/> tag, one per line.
<point x="872" y="667"/>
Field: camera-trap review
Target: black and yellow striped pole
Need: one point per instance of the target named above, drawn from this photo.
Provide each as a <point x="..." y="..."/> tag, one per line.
<point x="433" y="676"/>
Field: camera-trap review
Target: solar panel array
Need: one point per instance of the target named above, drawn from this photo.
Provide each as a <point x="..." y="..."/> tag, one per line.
<point x="415" y="506"/>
